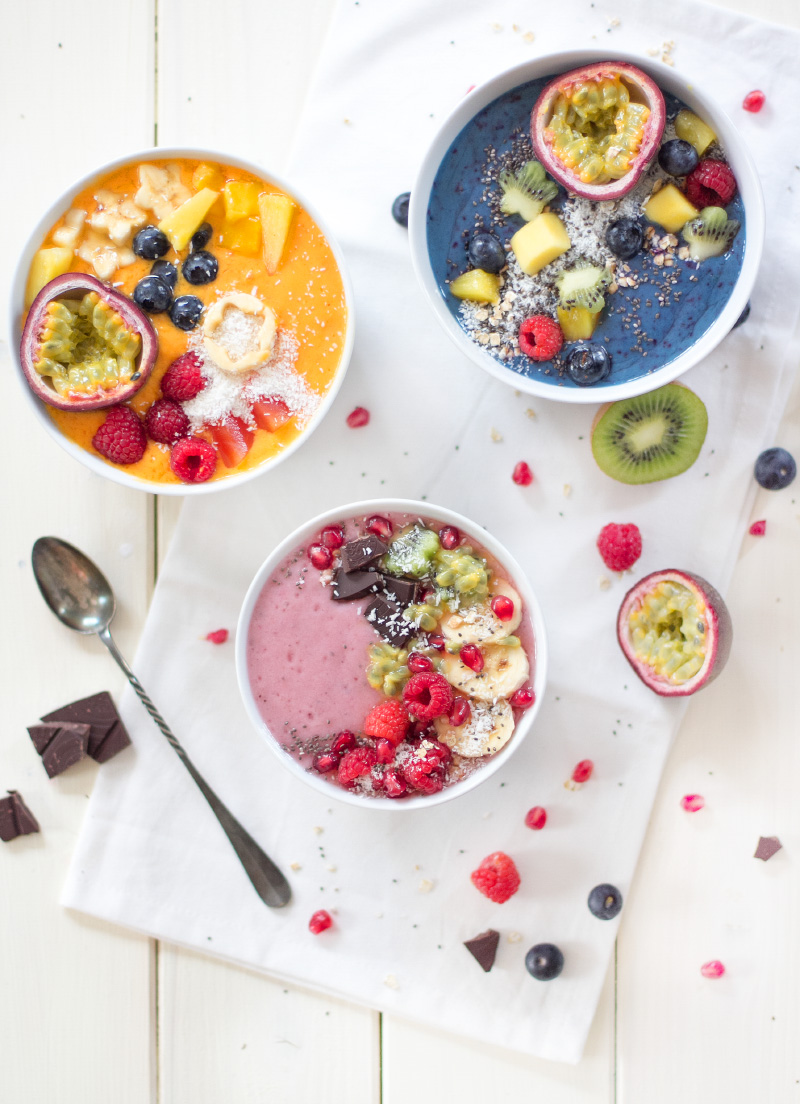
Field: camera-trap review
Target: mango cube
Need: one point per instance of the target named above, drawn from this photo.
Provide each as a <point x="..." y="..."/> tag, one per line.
<point x="691" y="128"/>
<point x="477" y="285"/>
<point x="207" y="176"/>
<point x="577" y="323"/>
<point x="45" y="266"/>
<point x="670" y="208"/>
<point x="277" y="212"/>
<point x="540" y="242"/>
<point x="184" y="220"/>
<point x="243" y="236"/>
<point x="240" y="198"/>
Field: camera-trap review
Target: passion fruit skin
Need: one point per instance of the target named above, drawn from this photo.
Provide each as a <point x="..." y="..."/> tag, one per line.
<point x="649" y="93"/>
<point x="719" y="633"/>
<point x="74" y="285"/>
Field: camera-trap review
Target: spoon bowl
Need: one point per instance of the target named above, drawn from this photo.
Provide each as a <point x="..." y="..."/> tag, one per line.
<point x="73" y="586"/>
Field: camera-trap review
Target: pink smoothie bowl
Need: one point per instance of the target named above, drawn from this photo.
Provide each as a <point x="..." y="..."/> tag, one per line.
<point x="307" y="534"/>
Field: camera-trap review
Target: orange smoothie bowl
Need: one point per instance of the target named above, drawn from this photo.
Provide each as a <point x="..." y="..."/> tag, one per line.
<point x="241" y="283"/>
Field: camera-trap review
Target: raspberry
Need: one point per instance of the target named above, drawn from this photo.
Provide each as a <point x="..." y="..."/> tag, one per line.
<point x="387" y="721"/>
<point x="219" y="636"/>
<point x="522" y="474"/>
<point x="427" y="695"/>
<point x="754" y="101"/>
<point x="536" y="818"/>
<point x="497" y="877"/>
<point x="359" y="761"/>
<point x="358" y="417"/>
<point x="165" y="422"/>
<point x="393" y="785"/>
<point x="319" y="922"/>
<point x="193" y="460"/>
<point x="540" y="337"/>
<point x="384" y="749"/>
<point x="121" y="437"/>
<point x="426" y="772"/>
<point x="758" y="528"/>
<point x="711" y="184"/>
<point x="620" y="546"/>
<point x="184" y="378"/>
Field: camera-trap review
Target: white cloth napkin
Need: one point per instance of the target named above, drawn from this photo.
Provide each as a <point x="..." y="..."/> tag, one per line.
<point x="151" y="855"/>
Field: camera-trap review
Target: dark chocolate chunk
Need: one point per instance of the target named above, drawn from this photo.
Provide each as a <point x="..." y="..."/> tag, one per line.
<point x="60" y="744"/>
<point x="386" y="618"/>
<point x="767" y="847"/>
<point x="108" y="735"/>
<point x="483" y="948"/>
<point x="403" y="591"/>
<point x="361" y="552"/>
<point x="353" y="584"/>
<point x="16" y="819"/>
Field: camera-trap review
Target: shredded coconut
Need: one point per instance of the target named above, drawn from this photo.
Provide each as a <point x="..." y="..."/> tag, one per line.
<point x="237" y="333"/>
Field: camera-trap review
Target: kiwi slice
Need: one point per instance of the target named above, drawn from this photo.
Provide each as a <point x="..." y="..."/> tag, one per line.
<point x="710" y="234"/>
<point x="650" y="437"/>
<point x="583" y="286"/>
<point x="526" y="192"/>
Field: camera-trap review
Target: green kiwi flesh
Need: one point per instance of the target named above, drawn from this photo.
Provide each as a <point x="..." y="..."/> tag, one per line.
<point x="583" y="286"/>
<point x="650" y="437"/>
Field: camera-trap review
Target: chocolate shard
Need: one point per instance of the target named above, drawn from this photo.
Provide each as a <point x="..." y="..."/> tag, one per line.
<point x="362" y="552"/>
<point x="353" y="584"/>
<point x="108" y="736"/>
<point x="16" y="819"/>
<point x="402" y="591"/>
<point x="483" y="948"/>
<point x="387" y="619"/>
<point x="60" y="744"/>
<point x="767" y="847"/>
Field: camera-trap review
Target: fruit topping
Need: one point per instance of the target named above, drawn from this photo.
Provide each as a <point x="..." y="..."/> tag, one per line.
<point x="165" y="421"/>
<point x="486" y="728"/>
<point x="758" y="528"/>
<point x="181" y="224"/>
<point x="582" y="772"/>
<point x="332" y="536"/>
<point x="240" y="198"/>
<point x="320" y="556"/>
<point x="271" y="413"/>
<point x="544" y="961"/>
<point x="505" y="669"/>
<point x="116" y="217"/>
<point x="167" y="272"/>
<point x="522" y="474"/>
<point x="710" y="234"/>
<point x="356" y="763"/>
<point x="472" y="657"/>
<point x="319" y="922"/>
<point x="152" y="295"/>
<point x="497" y="877"/>
<point x="417" y="663"/>
<point x="625" y="237"/>
<point x="583" y="286"/>
<point x="620" y="546"/>
<point x="388" y="721"/>
<point x="678" y="157"/>
<point x="523" y="698"/>
<point x="150" y="243"/>
<point x="712" y="184"/>
<point x="358" y="417"/>
<point x="326" y="762"/>
<point x="200" y="267"/>
<point x="477" y="286"/>
<point x="692" y="129"/>
<point x="276" y="213"/>
<point x="486" y="252"/>
<point x="449" y="537"/>
<point x="540" y="242"/>
<point x="84" y="345"/>
<point x="218" y="636"/>
<point x="412" y="552"/>
<point x="650" y="437"/>
<point x="239" y="331"/>
<point x="754" y="101"/>
<point x="540" y="337"/>
<point x="713" y="969"/>
<point x="161" y="189"/>
<point x="193" y="460"/>
<point x="68" y="233"/>
<point x="536" y="818"/>
<point x="380" y="527"/>
<point x="675" y="631"/>
<point x="460" y="712"/>
<point x="201" y="237"/>
<point x="427" y="695"/>
<point x="526" y="192"/>
<point x="400" y="208"/>
<point x="463" y="577"/>
<point x="184" y="378"/>
<point x="596" y="129"/>
<point x="342" y="742"/>
<point x="121" y="437"/>
<point x="241" y="237"/>
<point x="693" y="803"/>
<point x="186" y="312"/>
<point x="426" y="772"/>
<point x="577" y="323"/>
<point x="588" y="363"/>
<point x="233" y="439"/>
<point x="605" y="902"/>
<point x="502" y="607"/>
<point x="392" y="784"/>
<point x="775" y="469"/>
<point x="46" y="265"/>
<point x="669" y="207"/>
<point x="483" y="948"/>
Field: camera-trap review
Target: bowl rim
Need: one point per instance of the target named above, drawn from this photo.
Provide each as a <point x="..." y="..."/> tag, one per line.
<point x="16" y="311"/>
<point x="396" y="505"/>
<point x="736" y="152"/>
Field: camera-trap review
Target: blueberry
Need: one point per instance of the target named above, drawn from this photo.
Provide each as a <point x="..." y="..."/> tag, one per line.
<point x="400" y="208"/>
<point x="185" y="311"/>
<point x="625" y="237"/>
<point x="678" y="158"/>
<point x="743" y="316"/>
<point x="201" y="237"/>
<point x="151" y="243"/>
<point x="166" y="272"/>
<point x="775" y="469"/>
<point x="544" y="961"/>
<point x="152" y="295"/>
<point x="587" y="363"/>
<point x="200" y="267"/>
<point x="605" y="901"/>
<point x="486" y="252"/>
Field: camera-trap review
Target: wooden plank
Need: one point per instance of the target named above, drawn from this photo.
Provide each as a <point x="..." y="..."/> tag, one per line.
<point x="75" y="1016"/>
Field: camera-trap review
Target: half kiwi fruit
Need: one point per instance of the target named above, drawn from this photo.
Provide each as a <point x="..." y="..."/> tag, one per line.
<point x="650" y="437"/>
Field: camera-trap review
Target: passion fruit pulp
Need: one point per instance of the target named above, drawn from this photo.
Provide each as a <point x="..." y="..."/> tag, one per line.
<point x="85" y="346"/>
<point x="596" y="129"/>
<point x="675" y="631"/>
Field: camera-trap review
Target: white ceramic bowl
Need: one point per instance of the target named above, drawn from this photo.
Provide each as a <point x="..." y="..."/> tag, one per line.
<point x="17" y="309"/>
<point x="736" y="152"/>
<point x="407" y="506"/>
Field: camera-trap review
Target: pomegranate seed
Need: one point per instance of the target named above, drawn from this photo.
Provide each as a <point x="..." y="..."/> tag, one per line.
<point x="522" y="474"/>
<point x="502" y="607"/>
<point x="393" y="784"/>
<point x="326" y="762"/>
<point x="471" y="656"/>
<point x="449" y="537"/>
<point x="712" y="969"/>
<point x="319" y="922"/>
<point x="436" y="642"/>
<point x="418" y="662"/>
<point x="758" y="528"/>
<point x="344" y="741"/>
<point x="754" y="101"/>
<point x="332" y="536"/>
<point x="583" y="771"/>
<point x="358" y="417"/>
<point x="692" y="803"/>
<point x="218" y="637"/>
<point x="385" y="749"/>
<point x="379" y="526"/>
<point x="460" y="712"/>
<point x="536" y="818"/>
<point x="320" y="556"/>
<point x="523" y="698"/>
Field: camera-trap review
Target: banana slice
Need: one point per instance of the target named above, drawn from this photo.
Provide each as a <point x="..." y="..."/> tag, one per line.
<point x="488" y="729"/>
<point x="505" y="669"/>
<point x="477" y="624"/>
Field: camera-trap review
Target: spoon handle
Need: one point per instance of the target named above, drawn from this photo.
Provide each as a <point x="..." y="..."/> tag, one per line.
<point x="268" y="881"/>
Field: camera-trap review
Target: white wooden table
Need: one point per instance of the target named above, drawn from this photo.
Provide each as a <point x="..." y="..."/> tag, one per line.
<point x="90" y="1014"/>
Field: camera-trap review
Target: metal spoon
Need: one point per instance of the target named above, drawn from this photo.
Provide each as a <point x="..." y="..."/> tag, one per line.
<point x="81" y="597"/>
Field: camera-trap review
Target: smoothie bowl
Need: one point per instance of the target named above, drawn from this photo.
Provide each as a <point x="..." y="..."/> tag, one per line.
<point x="183" y="320"/>
<point x="585" y="228"/>
<point x="391" y="653"/>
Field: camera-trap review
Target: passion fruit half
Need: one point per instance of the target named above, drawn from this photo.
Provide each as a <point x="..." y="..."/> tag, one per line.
<point x="596" y="129"/>
<point x="675" y="631"/>
<point x="84" y="345"/>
